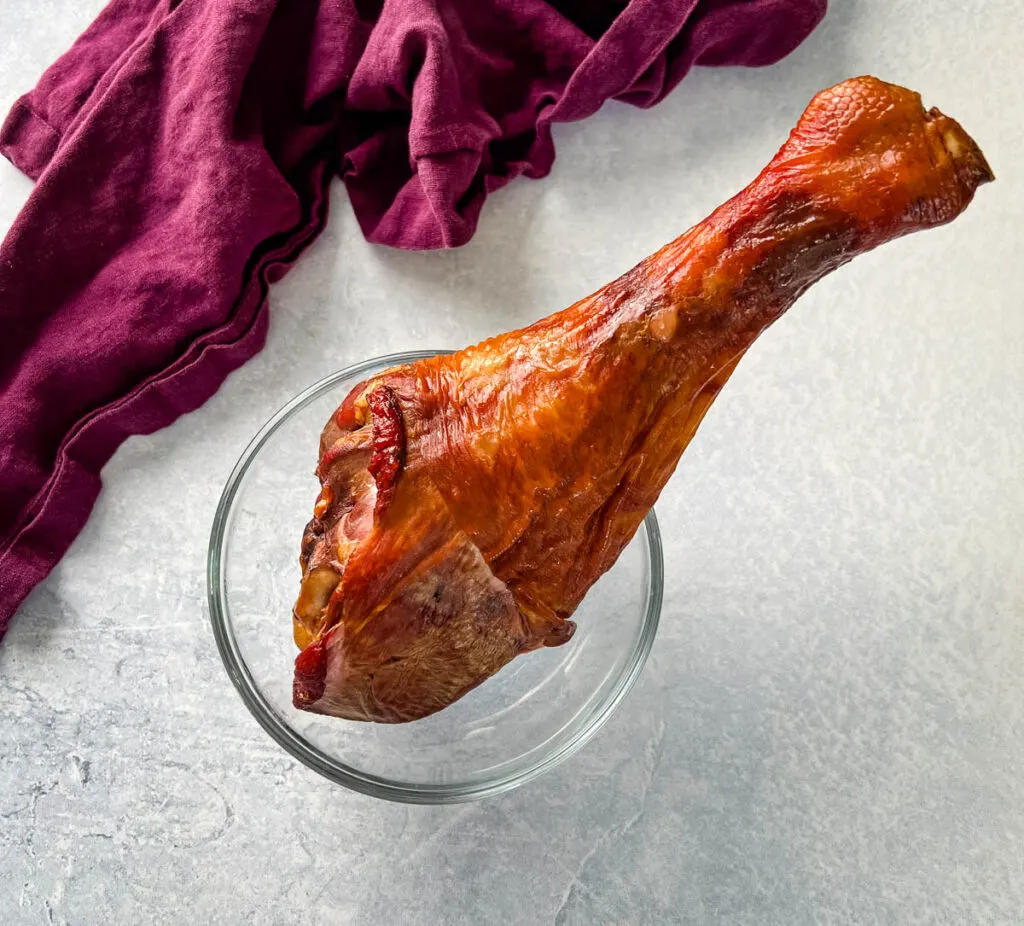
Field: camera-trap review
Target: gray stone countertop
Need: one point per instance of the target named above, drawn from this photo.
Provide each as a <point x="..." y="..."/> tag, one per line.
<point x="830" y="727"/>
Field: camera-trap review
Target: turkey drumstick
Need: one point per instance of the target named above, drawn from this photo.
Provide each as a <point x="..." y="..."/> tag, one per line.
<point x="470" y="501"/>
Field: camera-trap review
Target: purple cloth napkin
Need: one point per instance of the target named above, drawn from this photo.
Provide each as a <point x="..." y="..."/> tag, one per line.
<point x="183" y="151"/>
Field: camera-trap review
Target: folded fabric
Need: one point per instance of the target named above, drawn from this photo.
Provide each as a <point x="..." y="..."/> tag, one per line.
<point x="183" y="151"/>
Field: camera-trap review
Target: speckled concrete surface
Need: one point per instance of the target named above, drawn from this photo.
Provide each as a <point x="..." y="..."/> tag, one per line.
<point x="830" y="729"/>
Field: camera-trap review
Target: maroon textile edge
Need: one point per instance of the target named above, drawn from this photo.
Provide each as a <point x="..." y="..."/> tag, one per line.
<point x="27" y="140"/>
<point x="63" y="505"/>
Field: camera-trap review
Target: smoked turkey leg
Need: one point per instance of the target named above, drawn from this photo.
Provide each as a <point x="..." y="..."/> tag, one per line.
<point x="469" y="501"/>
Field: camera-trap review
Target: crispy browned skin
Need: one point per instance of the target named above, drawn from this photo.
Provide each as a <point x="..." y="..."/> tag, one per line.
<point x="470" y="504"/>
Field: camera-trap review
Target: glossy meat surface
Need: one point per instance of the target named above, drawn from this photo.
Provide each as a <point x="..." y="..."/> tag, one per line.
<point x="471" y="500"/>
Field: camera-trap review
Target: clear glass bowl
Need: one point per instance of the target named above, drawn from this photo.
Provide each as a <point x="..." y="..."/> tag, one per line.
<point x="532" y="715"/>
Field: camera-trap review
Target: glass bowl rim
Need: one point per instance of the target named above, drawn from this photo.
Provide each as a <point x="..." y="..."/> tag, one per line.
<point x="317" y="760"/>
